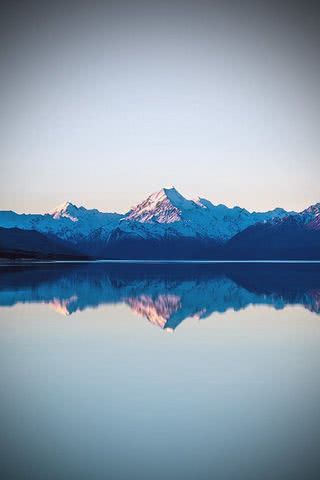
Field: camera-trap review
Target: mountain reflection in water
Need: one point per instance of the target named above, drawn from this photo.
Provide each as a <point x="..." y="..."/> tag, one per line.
<point x="164" y="294"/>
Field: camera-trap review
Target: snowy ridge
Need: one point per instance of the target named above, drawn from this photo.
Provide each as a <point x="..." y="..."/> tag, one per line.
<point x="311" y="216"/>
<point x="67" y="221"/>
<point x="197" y="218"/>
<point x="161" y="207"/>
<point x="66" y="210"/>
<point x="163" y="214"/>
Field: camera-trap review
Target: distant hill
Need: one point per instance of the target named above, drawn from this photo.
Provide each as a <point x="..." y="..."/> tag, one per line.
<point x="17" y="243"/>
<point x="290" y="239"/>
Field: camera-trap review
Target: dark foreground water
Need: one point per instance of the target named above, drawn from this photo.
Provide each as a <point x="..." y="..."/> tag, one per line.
<point x="160" y="372"/>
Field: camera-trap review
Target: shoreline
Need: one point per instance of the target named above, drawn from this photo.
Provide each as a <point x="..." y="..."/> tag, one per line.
<point x="6" y="263"/>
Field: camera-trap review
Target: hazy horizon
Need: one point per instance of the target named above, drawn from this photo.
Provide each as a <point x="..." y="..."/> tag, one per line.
<point x="147" y="194"/>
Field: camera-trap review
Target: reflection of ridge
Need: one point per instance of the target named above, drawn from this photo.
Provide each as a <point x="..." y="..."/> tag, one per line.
<point x="313" y="306"/>
<point x="157" y="311"/>
<point x="63" y="306"/>
<point x="165" y="295"/>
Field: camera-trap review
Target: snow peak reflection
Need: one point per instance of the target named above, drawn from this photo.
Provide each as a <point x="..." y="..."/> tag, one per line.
<point x="164" y="294"/>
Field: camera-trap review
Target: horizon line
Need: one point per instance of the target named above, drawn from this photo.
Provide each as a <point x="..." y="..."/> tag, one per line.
<point x="193" y="199"/>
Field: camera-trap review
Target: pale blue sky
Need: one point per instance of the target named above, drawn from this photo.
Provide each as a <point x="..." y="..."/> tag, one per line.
<point x="103" y="107"/>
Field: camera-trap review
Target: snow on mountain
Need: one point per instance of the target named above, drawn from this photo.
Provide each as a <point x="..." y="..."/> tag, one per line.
<point x="311" y="216"/>
<point x="163" y="214"/>
<point x="165" y="206"/>
<point x="194" y="218"/>
<point x="308" y="219"/>
<point x="66" y="210"/>
<point x="166" y="214"/>
<point x="67" y="221"/>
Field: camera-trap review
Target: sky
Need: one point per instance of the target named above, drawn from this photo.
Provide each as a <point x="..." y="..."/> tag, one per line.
<point x="104" y="103"/>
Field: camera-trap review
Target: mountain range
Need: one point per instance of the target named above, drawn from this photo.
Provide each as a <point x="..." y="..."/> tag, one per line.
<point x="165" y="225"/>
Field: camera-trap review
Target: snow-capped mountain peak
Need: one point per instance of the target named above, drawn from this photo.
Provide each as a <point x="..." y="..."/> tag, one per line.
<point x="192" y="218"/>
<point x="311" y="216"/>
<point x="313" y="209"/>
<point x="164" y="206"/>
<point x="66" y="210"/>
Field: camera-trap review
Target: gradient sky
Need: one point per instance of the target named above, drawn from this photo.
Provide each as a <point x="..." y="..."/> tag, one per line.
<point x="104" y="104"/>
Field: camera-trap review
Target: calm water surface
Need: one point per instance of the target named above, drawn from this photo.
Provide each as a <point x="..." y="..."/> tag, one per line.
<point x="160" y="371"/>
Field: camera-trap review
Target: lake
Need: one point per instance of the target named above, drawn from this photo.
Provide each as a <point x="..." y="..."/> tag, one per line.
<point x="160" y="371"/>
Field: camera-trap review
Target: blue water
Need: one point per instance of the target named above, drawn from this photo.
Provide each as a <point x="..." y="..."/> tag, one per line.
<point x="190" y="371"/>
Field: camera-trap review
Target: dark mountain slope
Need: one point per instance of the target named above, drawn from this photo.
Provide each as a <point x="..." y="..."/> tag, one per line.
<point x="174" y="248"/>
<point x="288" y="239"/>
<point x="16" y="243"/>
